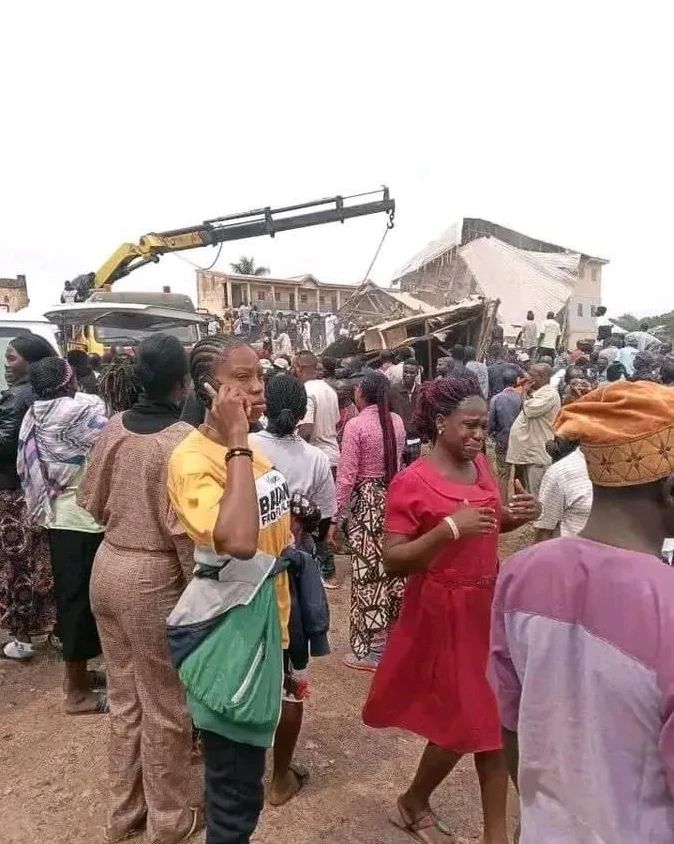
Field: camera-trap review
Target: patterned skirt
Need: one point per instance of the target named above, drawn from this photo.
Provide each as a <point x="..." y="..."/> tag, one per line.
<point x="375" y="597"/>
<point x="26" y="586"/>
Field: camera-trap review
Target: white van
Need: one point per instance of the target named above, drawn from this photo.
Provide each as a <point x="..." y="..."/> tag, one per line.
<point x="23" y="322"/>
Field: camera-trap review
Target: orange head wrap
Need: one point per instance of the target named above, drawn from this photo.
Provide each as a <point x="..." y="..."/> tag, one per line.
<point x="626" y="431"/>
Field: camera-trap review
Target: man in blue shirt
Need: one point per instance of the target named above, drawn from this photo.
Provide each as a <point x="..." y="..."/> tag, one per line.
<point x="504" y="408"/>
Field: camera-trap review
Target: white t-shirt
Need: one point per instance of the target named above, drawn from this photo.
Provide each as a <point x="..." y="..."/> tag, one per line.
<point x="551" y="332"/>
<point x="323" y="414"/>
<point x="305" y="467"/>
<point x="244" y="314"/>
<point x="566" y="495"/>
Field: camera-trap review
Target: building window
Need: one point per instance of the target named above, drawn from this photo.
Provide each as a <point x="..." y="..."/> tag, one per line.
<point x="593" y="310"/>
<point x="261" y="295"/>
<point x="304" y="298"/>
<point x="580" y="309"/>
<point x="595" y="273"/>
<point x="278" y="295"/>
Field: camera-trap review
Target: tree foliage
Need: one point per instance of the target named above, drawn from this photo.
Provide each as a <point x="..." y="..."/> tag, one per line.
<point x="246" y="266"/>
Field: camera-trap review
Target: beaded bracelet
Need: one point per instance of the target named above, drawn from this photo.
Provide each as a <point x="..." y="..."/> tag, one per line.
<point x="238" y="452"/>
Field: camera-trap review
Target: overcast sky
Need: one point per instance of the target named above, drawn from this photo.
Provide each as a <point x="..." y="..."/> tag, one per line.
<point x="128" y="117"/>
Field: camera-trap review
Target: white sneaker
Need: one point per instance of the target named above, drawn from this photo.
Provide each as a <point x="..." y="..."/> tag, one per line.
<point x="18" y="650"/>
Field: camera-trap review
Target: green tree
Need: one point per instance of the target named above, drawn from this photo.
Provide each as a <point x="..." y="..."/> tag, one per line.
<point x="246" y="266"/>
<point x="629" y="322"/>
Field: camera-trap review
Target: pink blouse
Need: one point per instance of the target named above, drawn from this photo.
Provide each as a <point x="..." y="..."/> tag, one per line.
<point x="362" y="455"/>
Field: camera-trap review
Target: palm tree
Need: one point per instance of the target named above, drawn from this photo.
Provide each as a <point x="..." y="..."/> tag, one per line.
<point x="246" y="266"/>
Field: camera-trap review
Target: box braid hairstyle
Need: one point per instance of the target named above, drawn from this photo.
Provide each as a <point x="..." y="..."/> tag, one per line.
<point x="119" y="386"/>
<point x="375" y="388"/>
<point x="206" y="355"/>
<point x="442" y="398"/>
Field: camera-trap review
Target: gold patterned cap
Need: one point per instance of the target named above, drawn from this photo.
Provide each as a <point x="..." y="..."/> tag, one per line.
<point x="626" y="431"/>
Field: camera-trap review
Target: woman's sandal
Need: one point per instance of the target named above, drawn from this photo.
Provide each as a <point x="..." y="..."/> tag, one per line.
<point x="420" y="829"/>
<point x="88" y="707"/>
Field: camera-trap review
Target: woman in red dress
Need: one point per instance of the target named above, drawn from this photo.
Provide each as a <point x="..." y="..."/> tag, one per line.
<point x="443" y="516"/>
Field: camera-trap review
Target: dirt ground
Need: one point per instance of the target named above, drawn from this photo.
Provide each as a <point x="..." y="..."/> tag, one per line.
<point x="53" y="771"/>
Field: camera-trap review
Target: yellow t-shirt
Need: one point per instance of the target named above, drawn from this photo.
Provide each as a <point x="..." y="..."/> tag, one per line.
<point x="197" y="474"/>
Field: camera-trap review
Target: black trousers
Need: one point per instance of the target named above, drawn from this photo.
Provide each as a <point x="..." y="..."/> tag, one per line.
<point x="72" y="558"/>
<point x="233" y="775"/>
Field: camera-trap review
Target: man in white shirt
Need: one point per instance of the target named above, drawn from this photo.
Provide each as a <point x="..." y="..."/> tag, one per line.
<point x="645" y="341"/>
<point x="319" y="426"/>
<point x="565" y="495"/>
<point x="244" y="316"/>
<point x="603" y="323"/>
<point x="529" y="335"/>
<point x="330" y="327"/>
<point x="533" y="428"/>
<point x="395" y="373"/>
<point x="550" y="334"/>
<point x="282" y="344"/>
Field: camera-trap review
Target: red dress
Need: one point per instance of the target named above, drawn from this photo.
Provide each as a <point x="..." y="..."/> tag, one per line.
<point x="432" y="678"/>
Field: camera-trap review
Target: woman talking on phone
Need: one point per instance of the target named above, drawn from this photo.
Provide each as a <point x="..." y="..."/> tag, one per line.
<point x="236" y="508"/>
<point x="443" y="517"/>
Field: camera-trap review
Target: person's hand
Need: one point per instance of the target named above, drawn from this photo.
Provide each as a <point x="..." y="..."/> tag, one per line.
<point x="523" y="506"/>
<point x="229" y="414"/>
<point x="331" y="537"/>
<point x="473" y="521"/>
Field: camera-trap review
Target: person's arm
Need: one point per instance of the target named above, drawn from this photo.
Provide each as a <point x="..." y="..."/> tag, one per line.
<point x="404" y="555"/>
<point x="538" y="404"/>
<point x="492" y="419"/>
<point x="11" y="418"/>
<point x="306" y="427"/>
<point x="522" y="508"/>
<point x="349" y="465"/>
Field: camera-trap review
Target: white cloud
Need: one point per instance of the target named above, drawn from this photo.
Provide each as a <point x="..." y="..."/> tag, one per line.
<point x="123" y="118"/>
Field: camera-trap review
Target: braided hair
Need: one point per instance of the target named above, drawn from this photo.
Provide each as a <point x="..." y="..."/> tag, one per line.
<point x="286" y="404"/>
<point x="51" y="378"/>
<point x="442" y="398"/>
<point x="375" y="388"/>
<point x="205" y="356"/>
<point x="119" y="386"/>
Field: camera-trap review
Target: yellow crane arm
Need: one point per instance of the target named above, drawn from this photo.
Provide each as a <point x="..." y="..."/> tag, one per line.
<point x="262" y="221"/>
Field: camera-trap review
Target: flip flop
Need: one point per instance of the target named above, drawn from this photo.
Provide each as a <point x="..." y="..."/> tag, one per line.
<point x="419" y="829"/>
<point x="100" y="707"/>
<point x="301" y="775"/>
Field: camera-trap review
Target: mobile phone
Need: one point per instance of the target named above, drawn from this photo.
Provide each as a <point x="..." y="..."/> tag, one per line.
<point x="203" y="394"/>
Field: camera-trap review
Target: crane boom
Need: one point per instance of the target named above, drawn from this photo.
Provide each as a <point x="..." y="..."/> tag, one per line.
<point x="256" y="223"/>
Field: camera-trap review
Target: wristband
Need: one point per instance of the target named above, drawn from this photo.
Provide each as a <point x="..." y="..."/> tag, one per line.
<point x="238" y="452"/>
<point x="452" y="524"/>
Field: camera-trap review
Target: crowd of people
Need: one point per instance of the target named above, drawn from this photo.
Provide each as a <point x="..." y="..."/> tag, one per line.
<point x="179" y="517"/>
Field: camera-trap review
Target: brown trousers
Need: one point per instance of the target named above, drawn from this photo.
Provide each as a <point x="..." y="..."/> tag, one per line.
<point x="132" y="594"/>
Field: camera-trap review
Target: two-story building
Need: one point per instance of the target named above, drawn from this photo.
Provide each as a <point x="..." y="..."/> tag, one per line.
<point x="218" y="292"/>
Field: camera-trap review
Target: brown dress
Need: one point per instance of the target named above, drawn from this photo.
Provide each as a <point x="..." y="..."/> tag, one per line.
<point x="137" y="578"/>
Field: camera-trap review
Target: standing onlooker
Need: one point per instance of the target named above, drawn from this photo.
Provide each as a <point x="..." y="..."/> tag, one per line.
<point x="667" y="371"/>
<point x="387" y="360"/>
<point x="347" y="409"/>
<point x="372" y="451"/>
<point x="235" y="506"/>
<point x="118" y="386"/>
<point x="603" y="323"/>
<point x="244" y="316"/>
<point x="306" y="467"/>
<point x="478" y="369"/>
<point x="138" y="576"/>
<point x="533" y="428"/>
<point x="529" y="335"/>
<point x="627" y="354"/>
<point x="566" y="492"/>
<point x="443" y="516"/>
<point x="458" y="354"/>
<point x="395" y="373"/>
<point x="51" y="464"/>
<point x="319" y="426"/>
<point x="26" y="598"/>
<point x="404" y="400"/>
<point x="644" y="340"/>
<point x="282" y="344"/>
<point x="582" y="637"/>
<point x="497" y="369"/>
<point x="504" y="408"/>
<point x="330" y="329"/>
<point x="86" y="380"/>
<point x="68" y="294"/>
<point x="551" y="332"/>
